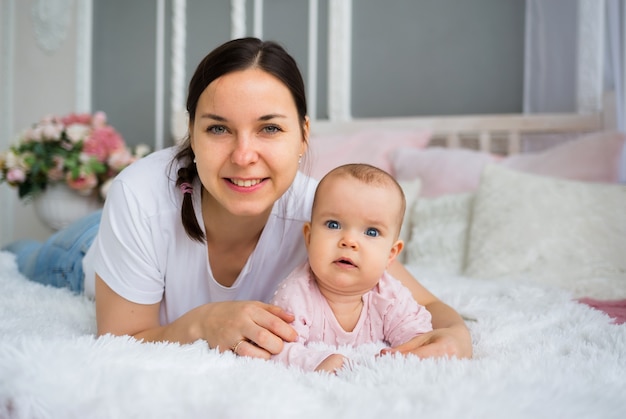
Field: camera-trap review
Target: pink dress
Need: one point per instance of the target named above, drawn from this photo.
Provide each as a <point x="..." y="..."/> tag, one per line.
<point x="389" y="314"/>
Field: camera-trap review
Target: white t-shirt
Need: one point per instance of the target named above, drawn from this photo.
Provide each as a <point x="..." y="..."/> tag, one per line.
<point x="144" y="254"/>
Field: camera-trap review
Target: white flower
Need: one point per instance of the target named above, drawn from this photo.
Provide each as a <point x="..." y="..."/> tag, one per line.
<point x="32" y="135"/>
<point x="52" y="131"/>
<point x="84" y="157"/>
<point x="119" y="159"/>
<point x="104" y="189"/>
<point x="142" y="150"/>
<point x="77" y="132"/>
<point x="11" y="160"/>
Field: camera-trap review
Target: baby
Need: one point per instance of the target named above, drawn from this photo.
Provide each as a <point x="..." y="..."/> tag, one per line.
<point x="343" y="294"/>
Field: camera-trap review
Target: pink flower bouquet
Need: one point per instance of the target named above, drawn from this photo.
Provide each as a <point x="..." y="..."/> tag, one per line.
<point x="81" y="150"/>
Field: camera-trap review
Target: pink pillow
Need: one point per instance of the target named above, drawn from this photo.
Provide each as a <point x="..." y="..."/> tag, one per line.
<point x="592" y="158"/>
<point x="442" y="170"/>
<point x="374" y="147"/>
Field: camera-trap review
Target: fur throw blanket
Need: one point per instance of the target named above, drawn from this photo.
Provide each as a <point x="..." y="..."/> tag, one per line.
<point x="538" y="353"/>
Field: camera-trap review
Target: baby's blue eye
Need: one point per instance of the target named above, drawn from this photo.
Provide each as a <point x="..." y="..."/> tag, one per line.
<point x="333" y="225"/>
<point x="372" y="232"/>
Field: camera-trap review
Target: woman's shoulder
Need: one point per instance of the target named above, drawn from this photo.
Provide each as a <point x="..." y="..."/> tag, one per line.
<point x="296" y="203"/>
<point x="150" y="179"/>
<point x="159" y="159"/>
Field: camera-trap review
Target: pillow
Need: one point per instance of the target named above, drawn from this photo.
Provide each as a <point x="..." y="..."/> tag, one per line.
<point x="442" y="170"/>
<point x="593" y="158"/>
<point x="411" y="191"/>
<point x="556" y="231"/>
<point x="374" y="147"/>
<point x="439" y="228"/>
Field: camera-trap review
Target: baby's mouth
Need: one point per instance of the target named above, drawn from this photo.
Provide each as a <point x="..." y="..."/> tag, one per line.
<point x="345" y="261"/>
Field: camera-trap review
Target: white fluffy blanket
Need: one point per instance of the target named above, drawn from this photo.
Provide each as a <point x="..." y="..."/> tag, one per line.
<point x="537" y="354"/>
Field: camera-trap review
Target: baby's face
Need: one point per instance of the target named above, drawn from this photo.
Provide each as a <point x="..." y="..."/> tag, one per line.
<point x="352" y="237"/>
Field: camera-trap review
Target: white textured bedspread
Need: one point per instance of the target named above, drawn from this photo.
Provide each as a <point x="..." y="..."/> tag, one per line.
<point x="537" y="354"/>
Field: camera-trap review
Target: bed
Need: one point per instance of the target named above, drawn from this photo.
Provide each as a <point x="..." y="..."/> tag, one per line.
<point x="516" y="221"/>
<point x="528" y="247"/>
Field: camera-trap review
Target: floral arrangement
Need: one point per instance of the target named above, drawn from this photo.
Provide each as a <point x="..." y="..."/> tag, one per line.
<point x="81" y="150"/>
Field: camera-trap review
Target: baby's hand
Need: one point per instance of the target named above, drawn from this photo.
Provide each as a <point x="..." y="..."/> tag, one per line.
<point x="332" y="363"/>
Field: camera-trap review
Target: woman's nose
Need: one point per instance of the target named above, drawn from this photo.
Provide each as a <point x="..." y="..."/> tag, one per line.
<point x="244" y="152"/>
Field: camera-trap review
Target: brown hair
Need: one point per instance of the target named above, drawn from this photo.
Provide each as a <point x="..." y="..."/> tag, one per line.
<point x="234" y="55"/>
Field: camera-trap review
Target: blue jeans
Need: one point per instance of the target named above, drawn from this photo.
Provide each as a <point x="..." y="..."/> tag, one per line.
<point x="59" y="260"/>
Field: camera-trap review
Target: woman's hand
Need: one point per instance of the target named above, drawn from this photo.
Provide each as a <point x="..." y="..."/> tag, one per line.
<point x="255" y="329"/>
<point x="450" y="337"/>
<point x="261" y="328"/>
<point x="439" y="343"/>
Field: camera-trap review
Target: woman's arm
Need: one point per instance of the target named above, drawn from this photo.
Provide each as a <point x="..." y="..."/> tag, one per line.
<point x="450" y="336"/>
<point x="220" y="324"/>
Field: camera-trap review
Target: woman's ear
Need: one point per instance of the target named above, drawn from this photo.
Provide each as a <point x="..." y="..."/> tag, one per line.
<point x="306" y="231"/>
<point x="190" y="128"/>
<point x="306" y="130"/>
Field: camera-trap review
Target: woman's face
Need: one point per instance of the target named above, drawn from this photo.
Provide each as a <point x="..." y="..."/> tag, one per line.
<point x="247" y="138"/>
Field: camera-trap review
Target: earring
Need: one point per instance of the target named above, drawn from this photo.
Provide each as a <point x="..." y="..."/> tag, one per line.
<point x="299" y="159"/>
<point x="194" y="160"/>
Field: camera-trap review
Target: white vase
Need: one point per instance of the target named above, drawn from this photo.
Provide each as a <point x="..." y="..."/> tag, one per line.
<point x="59" y="205"/>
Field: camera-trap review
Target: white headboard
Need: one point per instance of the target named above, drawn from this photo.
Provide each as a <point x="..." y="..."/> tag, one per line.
<point x="475" y="131"/>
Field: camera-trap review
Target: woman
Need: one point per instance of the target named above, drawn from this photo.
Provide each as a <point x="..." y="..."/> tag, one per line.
<point x="193" y="239"/>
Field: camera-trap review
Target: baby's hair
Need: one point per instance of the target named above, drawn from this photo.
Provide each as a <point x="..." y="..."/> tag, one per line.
<point x="368" y="174"/>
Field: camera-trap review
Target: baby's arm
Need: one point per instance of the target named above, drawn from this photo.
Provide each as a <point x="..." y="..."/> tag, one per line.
<point x="297" y="353"/>
<point x="405" y="318"/>
<point x="332" y="363"/>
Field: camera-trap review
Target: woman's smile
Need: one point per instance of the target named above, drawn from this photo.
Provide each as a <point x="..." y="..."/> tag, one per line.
<point x="245" y="183"/>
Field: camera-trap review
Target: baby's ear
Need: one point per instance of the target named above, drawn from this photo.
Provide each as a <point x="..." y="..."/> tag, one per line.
<point x="395" y="251"/>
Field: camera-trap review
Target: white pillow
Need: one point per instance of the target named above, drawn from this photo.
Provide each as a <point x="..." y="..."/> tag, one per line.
<point x="562" y="232"/>
<point x="411" y="189"/>
<point x="439" y="229"/>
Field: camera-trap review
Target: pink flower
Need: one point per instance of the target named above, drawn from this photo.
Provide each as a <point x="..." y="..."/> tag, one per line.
<point x="84" y="184"/>
<point x="102" y="142"/>
<point x="77" y="118"/>
<point x="99" y="119"/>
<point x="16" y="175"/>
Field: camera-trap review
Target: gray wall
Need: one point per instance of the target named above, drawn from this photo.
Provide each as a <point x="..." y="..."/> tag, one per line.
<point x="123" y="66"/>
<point x="410" y="57"/>
<point x="437" y="57"/>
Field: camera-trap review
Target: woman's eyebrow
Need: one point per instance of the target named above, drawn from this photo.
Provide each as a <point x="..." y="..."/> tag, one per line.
<point x="271" y="116"/>
<point x="222" y="119"/>
<point x="213" y="116"/>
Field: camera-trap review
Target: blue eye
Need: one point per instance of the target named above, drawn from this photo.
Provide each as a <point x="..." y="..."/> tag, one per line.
<point x="332" y="224"/>
<point x="271" y="129"/>
<point x="372" y="232"/>
<point x="217" y="129"/>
